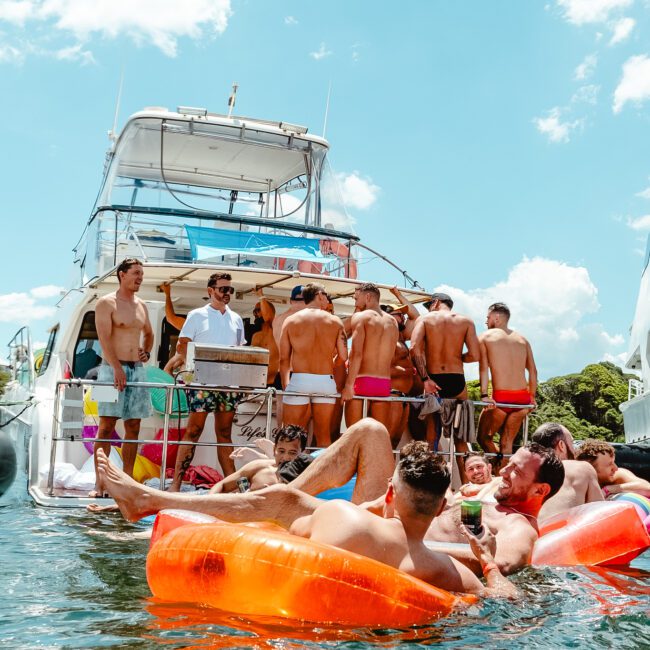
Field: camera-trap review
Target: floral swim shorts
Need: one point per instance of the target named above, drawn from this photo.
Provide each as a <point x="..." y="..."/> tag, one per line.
<point x="210" y="401"/>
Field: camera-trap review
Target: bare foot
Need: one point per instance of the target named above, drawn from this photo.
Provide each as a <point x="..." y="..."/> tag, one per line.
<point x="133" y="499"/>
<point x="96" y="508"/>
<point x="97" y="493"/>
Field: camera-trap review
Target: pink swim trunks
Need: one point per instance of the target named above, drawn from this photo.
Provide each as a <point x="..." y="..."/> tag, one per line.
<point x="372" y="386"/>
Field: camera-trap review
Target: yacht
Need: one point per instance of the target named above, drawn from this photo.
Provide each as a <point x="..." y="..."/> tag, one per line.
<point x="188" y="193"/>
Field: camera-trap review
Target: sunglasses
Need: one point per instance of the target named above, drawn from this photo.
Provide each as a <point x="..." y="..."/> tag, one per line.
<point x="225" y="290"/>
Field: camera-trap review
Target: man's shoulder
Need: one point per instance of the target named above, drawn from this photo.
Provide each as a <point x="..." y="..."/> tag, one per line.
<point x="109" y="300"/>
<point x="578" y="468"/>
<point x="198" y="312"/>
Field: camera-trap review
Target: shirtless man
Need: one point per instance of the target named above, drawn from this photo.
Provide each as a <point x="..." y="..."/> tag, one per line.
<point x="482" y="484"/>
<point x="310" y="340"/>
<point x="264" y="311"/>
<point x="374" y="336"/>
<point x="580" y="479"/>
<point x="505" y="355"/>
<point x="126" y="339"/>
<point x="611" y="478"/>
<point x="407" y="308"/>
<point x="214" y="323"/>
<point x="414" y="497"/>
<point x="296" y="304"/>
<point x="289" y="442"/>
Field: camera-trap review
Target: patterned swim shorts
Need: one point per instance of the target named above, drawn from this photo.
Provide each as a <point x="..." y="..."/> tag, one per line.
<point x="210" y="401"/>
<point x="134" y="402"/>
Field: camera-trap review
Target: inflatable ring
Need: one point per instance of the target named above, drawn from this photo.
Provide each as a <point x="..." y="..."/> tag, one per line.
<point x="90" y="431"/>
<point x="597" y="533"/>
<point x="267" y="572"/>
<point x="159" y="396"/>
<point x="641" y="503"/>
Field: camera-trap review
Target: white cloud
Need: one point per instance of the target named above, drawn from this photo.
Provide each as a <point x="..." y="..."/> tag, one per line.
<point x="75" y="53"/>
<point x="321" y="53"/>
<point x="10" y="54"/>
<point x="635" y="84"/>
<point x="554" y="128"/>
<point x="160" y="22"/>
<point x="586" y="68"/>
<point x="581" y="12"/>
<point x="586" y="94"/>
<point x="644" y="194"/>
<point x="549" y="301"/>
<point x="640" y="223"/>
<point x="622" y="29"/>
<point x="22" y="308"/>
<point x="46" y="291"/>
<point x="357" y="191"/>
<point x="290" y="20"/>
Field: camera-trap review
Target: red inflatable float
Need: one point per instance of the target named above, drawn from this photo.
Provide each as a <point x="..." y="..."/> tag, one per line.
<point x="262" y="570"/>
<point x="598" y="533"/>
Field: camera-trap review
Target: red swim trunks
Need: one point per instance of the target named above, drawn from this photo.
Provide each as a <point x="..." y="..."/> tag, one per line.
<point x="511" y="397"/>
<point x="372" y="386"/>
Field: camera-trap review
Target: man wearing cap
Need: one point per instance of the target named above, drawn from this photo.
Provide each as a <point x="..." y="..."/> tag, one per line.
<point x="296" y="303"/>
<point x="507" y="356"/>
<point x="437" y="344"/>
<point x="214" y="323"/>
<point x="374" y="336"/>
<point x="310" y="340"/>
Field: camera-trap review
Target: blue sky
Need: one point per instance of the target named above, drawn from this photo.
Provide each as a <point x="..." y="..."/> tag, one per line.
<point x="498" y="148"/>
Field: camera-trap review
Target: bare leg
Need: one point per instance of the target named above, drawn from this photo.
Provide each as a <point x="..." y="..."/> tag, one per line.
<point x="353" y="411"/>
<point x="104" y="430"/>
<point x="489" y="422"/>
<point x="510" y="429"/>
<point x="195" y="424"/>
<point x="363" y="449"/>
<point x="223" y="430"/>
<point x="129" y="450"/>
<point x="461" y="448"/>
<point x="433" y="431"/>
<point x="337" y="417"/>
<point x="322" y="416"/>
<point x="279" y="503"/>
<point x="296" y="414"/>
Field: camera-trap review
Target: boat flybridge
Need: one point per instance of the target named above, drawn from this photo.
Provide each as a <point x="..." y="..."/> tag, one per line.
<point x="188" y="193"/>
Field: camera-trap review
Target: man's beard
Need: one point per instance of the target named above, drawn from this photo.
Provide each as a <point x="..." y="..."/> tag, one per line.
<point x="401" y="326"/>
<point x="258" y="322"/>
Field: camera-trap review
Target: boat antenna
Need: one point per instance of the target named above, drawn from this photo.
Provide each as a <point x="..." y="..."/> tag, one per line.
<point x="232" y="98"/>
<point x="112" y="134"/>
<point x="327" y="108"/>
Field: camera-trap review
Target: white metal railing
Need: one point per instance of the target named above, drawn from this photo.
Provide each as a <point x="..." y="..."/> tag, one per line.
<point x="266" y="393"/>
<point x="635" y="388"/>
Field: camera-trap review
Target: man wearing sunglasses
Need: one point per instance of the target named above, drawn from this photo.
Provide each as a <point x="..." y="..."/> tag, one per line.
<point x="214" y="323"/>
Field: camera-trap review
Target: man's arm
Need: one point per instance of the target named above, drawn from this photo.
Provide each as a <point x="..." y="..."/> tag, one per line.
<point x="419" y="357"/>
<point x="104" y="325"/>
<point x="229" y="484"/>
<point x="627" y="481"/>
<point x="144" y="353"/>
<point x="170" y="314"/>
<point x="266" y="307"/>
<point x="412" y="311"/>
<point x="532" y="372"/>
<point x="484" y="372"/>
<point x="471" y="341"/>
<point x="285" y="355"/>
<point x="341" y="347"/>
<point x="356" y="353"/>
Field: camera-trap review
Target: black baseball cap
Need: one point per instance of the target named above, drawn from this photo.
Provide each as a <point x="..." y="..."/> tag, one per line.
<point x="296" y="292"/>
<point x="442" y="297"/>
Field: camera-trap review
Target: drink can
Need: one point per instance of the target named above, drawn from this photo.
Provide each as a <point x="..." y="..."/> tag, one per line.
<point x="470" y="516"/>
<point x="243" y="484"/>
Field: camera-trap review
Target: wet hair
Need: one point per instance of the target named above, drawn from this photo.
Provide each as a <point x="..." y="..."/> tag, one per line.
<point x="500" y="308"/>
<point x="551" y="470"/>
<point x="311" y="290"/>
<point x="125" y="265"/>
<point x="369" y="287"/>
<point x="215" y="277"/>
<point x="291" y="432"/>
<point x="425" y="474"/>
<point x="589" y="450"/>
<point x="549" y="435"/>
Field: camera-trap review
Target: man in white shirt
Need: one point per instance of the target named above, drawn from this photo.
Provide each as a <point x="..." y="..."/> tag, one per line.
<point x="214" y="323"/>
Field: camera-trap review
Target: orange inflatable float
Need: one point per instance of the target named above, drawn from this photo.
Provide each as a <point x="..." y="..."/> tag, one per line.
<point x="262" y="570"/>
<point x="598" y="533"/>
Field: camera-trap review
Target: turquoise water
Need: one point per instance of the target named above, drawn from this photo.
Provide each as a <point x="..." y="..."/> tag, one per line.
<point x="71" y="580"/>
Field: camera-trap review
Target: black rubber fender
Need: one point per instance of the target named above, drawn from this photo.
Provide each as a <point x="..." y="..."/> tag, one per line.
<point x="8" y="462"/>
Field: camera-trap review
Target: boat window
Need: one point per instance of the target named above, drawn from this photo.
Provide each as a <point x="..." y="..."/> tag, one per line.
<point x="47" y="355"/>
<point x="88" y="352"/>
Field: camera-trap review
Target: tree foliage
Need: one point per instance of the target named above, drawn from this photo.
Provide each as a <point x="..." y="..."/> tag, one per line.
<point x="4" y="378"/>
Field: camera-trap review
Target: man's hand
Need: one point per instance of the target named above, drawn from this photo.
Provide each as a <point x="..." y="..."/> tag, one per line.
<point x="533" y="401"/>
<point x="490" y="403"/>
<point x="347" y="393"/>
<point x="120" y="377"/>
<point x="396" y="292"/>
<point x="470" y="489"/>
<point x="266" y="446"/>
<point x="430" y="386"/>
<point x="484" y="546"/>
<point x="247" y="454"/>
<point x="259" y="292"/>
<point x="143" y="355"/>
<point x="165" y="288"/>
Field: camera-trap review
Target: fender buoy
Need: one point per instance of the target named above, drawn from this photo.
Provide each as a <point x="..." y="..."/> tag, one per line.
<point x="8" y="462"/>
<point x="597" y="533"/>
<point x="250" y="570"/>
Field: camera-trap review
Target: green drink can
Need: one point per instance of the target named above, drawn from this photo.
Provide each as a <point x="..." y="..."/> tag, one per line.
<point x="470" y="516"/>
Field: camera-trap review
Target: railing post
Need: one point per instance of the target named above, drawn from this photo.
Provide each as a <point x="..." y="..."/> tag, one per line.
<point x="55" y="435"/>
<point x="365" y="408"/>
<point x="269" y="412"/>
<point x="525" y="432"/>
<point x="169" y="403"/>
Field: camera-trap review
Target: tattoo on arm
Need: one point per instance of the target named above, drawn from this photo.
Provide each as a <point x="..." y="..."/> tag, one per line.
<point x="421" y="365"/>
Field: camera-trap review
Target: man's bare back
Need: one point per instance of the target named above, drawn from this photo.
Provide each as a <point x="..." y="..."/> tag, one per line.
<point x="580" y="486"/>
<point x="508" y="356"/>
<point x="380" y="335"/>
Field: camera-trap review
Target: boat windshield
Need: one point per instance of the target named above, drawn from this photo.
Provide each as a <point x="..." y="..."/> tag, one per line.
<point x="235" y="169"/>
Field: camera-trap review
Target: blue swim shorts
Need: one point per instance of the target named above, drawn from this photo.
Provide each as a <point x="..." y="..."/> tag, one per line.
<point x="133" y="403"/>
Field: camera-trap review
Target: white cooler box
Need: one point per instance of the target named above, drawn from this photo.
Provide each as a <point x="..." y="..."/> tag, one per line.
<point x="222" y="365"/>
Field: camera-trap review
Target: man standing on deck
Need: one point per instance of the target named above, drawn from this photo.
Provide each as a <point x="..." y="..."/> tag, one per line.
<point x="580" y="479"/>
<point x="310" y="340"/>
<point x="505" y="355"/>
<point x="126" y="338"/>
<point x="374" y="337"/>
<point x="264" y="313"/>
<point x="214" y="323"/>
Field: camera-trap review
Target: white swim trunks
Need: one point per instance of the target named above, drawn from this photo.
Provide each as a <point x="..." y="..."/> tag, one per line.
<point x="305" y="382"/>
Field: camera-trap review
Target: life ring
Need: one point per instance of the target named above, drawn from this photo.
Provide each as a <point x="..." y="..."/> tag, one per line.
<point x="598" y="533"/>
<point x="248" y="570"/>
<point x="338" y="249"/>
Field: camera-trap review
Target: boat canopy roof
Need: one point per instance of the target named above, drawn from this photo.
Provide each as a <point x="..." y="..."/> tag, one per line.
<point x="189" y="283"/>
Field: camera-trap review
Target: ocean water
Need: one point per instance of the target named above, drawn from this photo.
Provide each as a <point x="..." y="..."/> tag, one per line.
<point x="72" y="580"/>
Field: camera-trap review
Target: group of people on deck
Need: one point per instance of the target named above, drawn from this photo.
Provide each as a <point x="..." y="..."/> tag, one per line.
<point x="397" y="508"/>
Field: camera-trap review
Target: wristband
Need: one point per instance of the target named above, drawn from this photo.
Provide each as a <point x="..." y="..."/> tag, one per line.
<point x="484" y="395"/>
<point x="148" y="355"/>
<point x="489" y="566"/>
